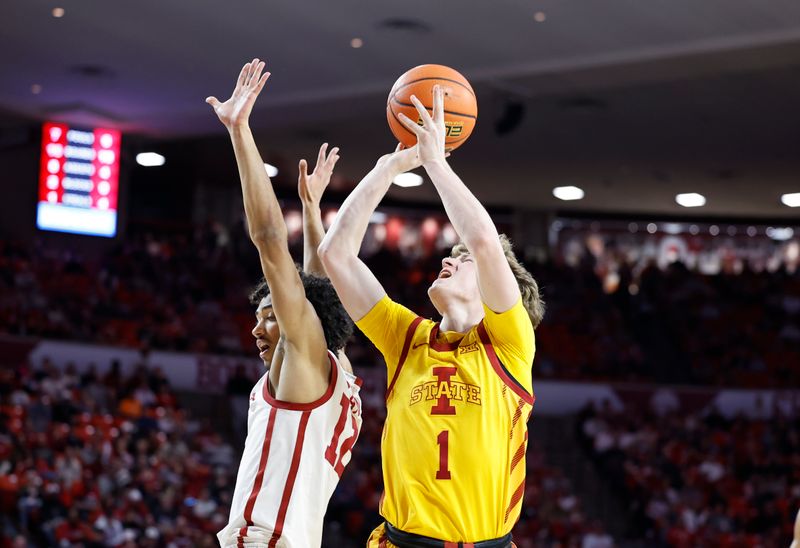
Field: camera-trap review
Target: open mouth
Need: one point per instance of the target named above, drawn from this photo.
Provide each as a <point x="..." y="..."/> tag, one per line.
<point x="445" y="274"/>
<point x="264" y="350"/>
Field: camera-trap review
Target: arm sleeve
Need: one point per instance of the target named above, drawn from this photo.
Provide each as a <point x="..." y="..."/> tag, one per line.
<point x="511" y="333"/>
<point x="386" y="325"/>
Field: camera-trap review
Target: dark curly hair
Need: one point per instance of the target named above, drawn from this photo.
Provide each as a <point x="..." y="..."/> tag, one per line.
<point x="336" y="324"/>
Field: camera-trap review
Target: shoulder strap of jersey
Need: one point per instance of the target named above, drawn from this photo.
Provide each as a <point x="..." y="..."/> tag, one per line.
<point x="500" y="369"/>
<point x="404" y="354"/>
<point x="350" y="376"/>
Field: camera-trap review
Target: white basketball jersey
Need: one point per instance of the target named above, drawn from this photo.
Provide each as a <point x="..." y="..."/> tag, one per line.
<point x="293" y="458"/>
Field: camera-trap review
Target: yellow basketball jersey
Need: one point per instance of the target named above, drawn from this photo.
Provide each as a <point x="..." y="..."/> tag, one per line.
<point x="453" y="445"/>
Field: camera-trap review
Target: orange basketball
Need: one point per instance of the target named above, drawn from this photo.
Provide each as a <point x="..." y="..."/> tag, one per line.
<point x="460" y="105"/>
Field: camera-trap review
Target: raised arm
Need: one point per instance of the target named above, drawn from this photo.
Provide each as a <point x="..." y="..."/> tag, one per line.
<point x="310" y="188"/>
<point x="296" y="318"/>
<point x="358" y="288"/>
<point x="499" y="289"/>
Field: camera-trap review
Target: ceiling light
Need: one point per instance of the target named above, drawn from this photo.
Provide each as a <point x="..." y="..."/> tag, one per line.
<point x="150" y="159"/>
<point x="651" y="228"/>
<point x="356" y="43"/>
<point x="58" y="12"/>
<point x="408" y="179"/>
<point x="780" y="234"/>
<point x="540" y="17"/>
<point x="272" y="171"/>
<point x="691" y="199"/>
<point x="36" y="89"/>
<point x="791" y="200"/>
<point x="568" y="193"/>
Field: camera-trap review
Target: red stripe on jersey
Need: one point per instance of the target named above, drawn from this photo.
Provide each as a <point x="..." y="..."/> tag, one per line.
<point x="498" y="366"/>
<point x="403" y="355"/>
<point x="347" y="446"/>
<point x="289" y="487"/>
<point x="515" y="498"/>
<point x="262" y="466"/>
<point x="330" y="452"/>
<point x="517" y="416"/>
<point x="519" y="454"/>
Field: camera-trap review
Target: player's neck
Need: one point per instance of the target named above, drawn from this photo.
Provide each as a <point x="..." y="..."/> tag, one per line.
<point x="461" y="318"/>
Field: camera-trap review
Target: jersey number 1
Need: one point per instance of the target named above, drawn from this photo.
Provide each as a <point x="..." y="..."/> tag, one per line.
<point x="442" y="441"/>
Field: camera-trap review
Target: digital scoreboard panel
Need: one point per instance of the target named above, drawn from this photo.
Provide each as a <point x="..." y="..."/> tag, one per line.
<point x="78" y="180"/>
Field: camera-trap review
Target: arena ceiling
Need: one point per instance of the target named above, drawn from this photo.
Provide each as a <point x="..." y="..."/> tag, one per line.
<point x="631" y="100"/>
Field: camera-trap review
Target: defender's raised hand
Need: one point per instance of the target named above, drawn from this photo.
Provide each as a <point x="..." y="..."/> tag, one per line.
<point x="236" y="110"/>
<point x="431" y="134"/>
<point x="310" y="187"/>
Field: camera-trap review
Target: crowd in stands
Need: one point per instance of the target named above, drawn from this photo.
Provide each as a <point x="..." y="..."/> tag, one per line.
<point x="187" y="292"/>
<point x="678" y="326"/>
<point x="700" y="479"/>
<point x="105" y="460"/>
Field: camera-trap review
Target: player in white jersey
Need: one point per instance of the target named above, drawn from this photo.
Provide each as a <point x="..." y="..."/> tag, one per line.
<point x="305" y="412"/>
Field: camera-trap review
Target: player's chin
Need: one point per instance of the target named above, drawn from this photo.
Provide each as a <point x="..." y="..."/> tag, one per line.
<point x="439" y="284"/>
<point x="266" y="358"/>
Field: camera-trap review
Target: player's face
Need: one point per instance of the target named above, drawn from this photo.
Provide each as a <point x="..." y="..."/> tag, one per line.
<point x="266" y="331"/>
<point x="458" y="278"/>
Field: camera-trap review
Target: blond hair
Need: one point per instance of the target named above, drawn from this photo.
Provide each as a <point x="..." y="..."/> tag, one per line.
<point x="528" y="288"/>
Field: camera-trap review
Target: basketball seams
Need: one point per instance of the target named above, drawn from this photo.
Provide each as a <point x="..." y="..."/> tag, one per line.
<point x="453" y="113"/>
<point x="394" y="91"/>
<point x="448" y="141"/>
<point x="399" y="123"/>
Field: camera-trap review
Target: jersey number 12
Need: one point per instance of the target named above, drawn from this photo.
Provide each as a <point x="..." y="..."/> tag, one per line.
<point x="336" y="459"/>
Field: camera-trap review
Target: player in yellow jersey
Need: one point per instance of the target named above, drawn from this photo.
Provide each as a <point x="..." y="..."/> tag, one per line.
<point x="459" y="391"/>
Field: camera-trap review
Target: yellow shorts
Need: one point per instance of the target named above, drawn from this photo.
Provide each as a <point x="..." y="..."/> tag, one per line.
<point x="378" y="538"/>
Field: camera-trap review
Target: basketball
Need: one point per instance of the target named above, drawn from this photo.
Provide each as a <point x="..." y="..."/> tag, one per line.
<point x="460" y="105"/>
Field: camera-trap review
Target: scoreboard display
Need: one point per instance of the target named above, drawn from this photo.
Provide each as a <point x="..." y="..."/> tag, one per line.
<point x="78" y="180"/>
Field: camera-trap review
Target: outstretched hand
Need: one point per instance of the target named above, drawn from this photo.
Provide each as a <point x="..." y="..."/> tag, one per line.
<point x="431" y="134"/>
<point x="236" y="110"/>
<point x="310" y="187"/>
<point x="401" y="160"/>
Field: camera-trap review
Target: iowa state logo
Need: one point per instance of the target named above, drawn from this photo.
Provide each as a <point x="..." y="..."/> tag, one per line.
<point x="444" y="390"/>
